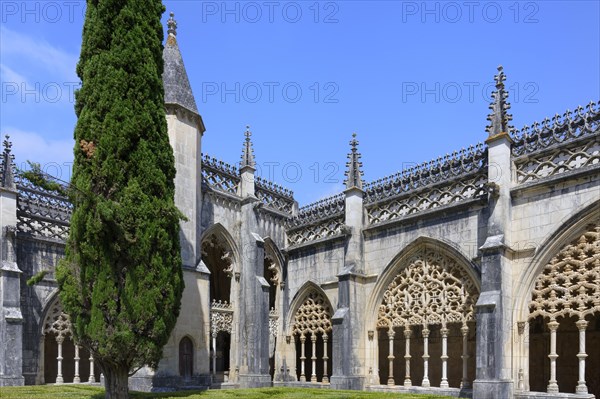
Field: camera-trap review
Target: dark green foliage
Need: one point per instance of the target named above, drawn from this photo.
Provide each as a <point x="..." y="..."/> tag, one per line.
<point x="36" y="278"/>
<point x="39" y="179"/>
<point x="121" y="280"/>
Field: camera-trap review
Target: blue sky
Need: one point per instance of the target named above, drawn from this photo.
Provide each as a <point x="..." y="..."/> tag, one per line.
<point x="412" y="78"/>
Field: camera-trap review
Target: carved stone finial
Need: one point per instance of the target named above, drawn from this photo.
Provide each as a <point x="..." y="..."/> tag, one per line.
<point x="8" y="177"/>
<point x="499" y="117"/>
<point x="172" y="25"/>
<point x="353" y="172"/>
<point x="248" y="151"/>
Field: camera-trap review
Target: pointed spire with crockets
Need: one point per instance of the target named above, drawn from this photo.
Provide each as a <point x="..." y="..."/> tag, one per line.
<point x="247" y="151"/>
<point x="499" y="117"/>
<point x="175" y="79"/>
<point x="8" y="173"/>
<point x="353" y="172"/>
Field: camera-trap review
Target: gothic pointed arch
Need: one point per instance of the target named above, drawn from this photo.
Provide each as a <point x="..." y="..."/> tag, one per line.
<point x="311" y="329"/>
<point x="63" y="359"/>
<point x="308" y="289"/>
<point x="425" y="299"/>
<point x="220" y="255"/>
<point x="220" y="231"/>
<point x="570" y="230"/>
<point x="562" y="307"/>
<point x="420" y="247"/>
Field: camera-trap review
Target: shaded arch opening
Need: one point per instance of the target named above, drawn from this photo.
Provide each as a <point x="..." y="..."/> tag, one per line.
<point x="425" y="318"/>
<point x="220" y="256"/>
<point x="312" y="333"/>
<point x="64" y="361"/>
<point x="564" y="319"/>
<point x="272" y="272"/>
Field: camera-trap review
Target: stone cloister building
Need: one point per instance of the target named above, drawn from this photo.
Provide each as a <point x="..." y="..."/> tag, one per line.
<point x="476" y="274"/>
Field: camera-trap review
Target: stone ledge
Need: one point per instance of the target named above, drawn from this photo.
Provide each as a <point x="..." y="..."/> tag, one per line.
<point x="542" y="395"/>
<point x="454" y="392"/>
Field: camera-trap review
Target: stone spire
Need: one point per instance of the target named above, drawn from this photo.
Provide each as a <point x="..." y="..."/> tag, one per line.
<point x="8" y="176"/>
<point x="354" y="173"/>
<point x="175" y="79"/>
<point x="247" y="151"/>
<point x="499" y="117"/>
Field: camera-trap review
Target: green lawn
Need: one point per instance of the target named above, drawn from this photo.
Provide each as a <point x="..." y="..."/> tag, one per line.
<point x="87" y="392"/>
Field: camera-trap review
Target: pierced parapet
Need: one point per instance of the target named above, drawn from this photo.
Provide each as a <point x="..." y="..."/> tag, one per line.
<point x="274" y="196"/>
<point x="499" y="117"/>
<point x="220" y="175"/>
<point x="446" y="181"/>
<point x="319" y="220"/>
<point x="571" y="126"/>
<point x="353" y="172"/>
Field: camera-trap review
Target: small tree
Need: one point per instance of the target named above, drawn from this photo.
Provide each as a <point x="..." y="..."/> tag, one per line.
<point x="121" y="280"/>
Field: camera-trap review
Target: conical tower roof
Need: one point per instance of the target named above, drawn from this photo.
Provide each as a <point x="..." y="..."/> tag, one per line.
<point x="175" y="79"/>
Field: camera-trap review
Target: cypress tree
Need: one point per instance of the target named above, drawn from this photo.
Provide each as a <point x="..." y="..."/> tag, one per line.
<point x="121" y="280"/>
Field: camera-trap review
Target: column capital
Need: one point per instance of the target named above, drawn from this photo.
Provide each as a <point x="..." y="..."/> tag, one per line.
<point x="581" y="324"/>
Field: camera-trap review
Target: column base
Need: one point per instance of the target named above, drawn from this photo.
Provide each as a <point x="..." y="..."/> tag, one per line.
<point x="11" y="381"/>
<point x="254" y="380"/>
<point x="581" y="388"/>
<point x="552" y="388"/>
<point x="348" y="382"/>
<point x="493" y="389"/>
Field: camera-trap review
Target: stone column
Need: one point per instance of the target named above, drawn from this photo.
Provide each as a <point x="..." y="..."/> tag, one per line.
<point x="348" y="352"/>
<point x="444" y="357"/>
<point x="581" y="385"/>
<point x="407" y="357"/>
<point x="552" y="384"/>
<point x="313" y="339"/>
<point x="11" y="319"/>
<point x="214" y="352"/>
<point x="302" y="358"/>
<point x="425" y="382"/>
<point x="92" y="378"/>
<point x="465" y="355"/>
<point x="494" y="369"/>
<point x="391" y="334"/>
<point x="325" y="358"/>
<point x="59" y="359"/>
<point x="76" y="378"/>
<point x="253" y="350"/>
<point x="520" y="374"/>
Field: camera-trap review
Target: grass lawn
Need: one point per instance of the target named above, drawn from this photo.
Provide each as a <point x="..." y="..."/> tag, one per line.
<point x="87" y="392"/>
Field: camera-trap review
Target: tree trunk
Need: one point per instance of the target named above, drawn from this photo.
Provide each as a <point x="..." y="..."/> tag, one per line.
<point x="116" y="382"/>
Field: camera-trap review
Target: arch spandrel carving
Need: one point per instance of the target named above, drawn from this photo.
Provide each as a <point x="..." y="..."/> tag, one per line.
<point x="432" y="289"/>
<point x="569" y="284"/>
<point x="313" y="316"/>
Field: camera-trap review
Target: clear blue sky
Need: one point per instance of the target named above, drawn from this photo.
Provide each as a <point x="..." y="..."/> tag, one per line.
<point x="411" y="78"/>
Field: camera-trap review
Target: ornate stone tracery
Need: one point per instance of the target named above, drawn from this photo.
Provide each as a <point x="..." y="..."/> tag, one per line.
<point x="221" y="317"/>
<point x="432" y="289"/>
<point x="313" y="316"/>
<point x="569" y="285"/>
<point x="57" y="322"/>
